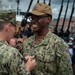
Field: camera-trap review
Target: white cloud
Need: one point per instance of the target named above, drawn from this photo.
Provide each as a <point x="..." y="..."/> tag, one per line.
<point x="55" y="11"/>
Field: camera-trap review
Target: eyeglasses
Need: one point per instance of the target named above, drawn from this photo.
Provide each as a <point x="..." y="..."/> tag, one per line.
<point x="36" y="18"/>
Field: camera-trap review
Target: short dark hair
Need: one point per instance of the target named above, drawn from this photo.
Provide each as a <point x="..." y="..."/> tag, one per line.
<point x="2" y="24"/>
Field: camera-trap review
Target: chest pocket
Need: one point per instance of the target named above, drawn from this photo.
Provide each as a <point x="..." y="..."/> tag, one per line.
<point x="45" y="59"/>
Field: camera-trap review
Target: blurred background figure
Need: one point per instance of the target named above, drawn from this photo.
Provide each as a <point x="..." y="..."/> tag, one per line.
<point x="70" y="42"/>
<point x="71" y="53"/>
<point x="13" y="42"/>
<point x="28" y="30"/>
<point x="19" y="44"/>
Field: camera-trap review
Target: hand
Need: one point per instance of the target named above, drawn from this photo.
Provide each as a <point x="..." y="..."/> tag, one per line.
<point x="31" y="63"/>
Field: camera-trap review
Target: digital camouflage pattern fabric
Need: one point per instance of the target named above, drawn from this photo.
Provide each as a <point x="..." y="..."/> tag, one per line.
<point x="11" y="61"/>
<point x="51" y="55"/>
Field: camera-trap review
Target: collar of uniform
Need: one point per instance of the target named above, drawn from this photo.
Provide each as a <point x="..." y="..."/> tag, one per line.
<point x="43" y="42"/>
<point x="31" y="40"/>
<point x="46" y="40"/>
<point x="2" y="42"/>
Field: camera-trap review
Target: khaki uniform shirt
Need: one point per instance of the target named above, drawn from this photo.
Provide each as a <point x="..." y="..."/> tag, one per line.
<point x="11" y="61"/>
<point x="51" y="55"/>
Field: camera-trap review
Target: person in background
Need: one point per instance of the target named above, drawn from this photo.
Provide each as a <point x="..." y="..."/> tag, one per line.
<point x="70" y="42"/>
<point x="19" y="44"/>
<point x="28" y="30"/>
<point x="13" y="42"/>
<point x="51" y="51"/>
<point x="71" y="53"/>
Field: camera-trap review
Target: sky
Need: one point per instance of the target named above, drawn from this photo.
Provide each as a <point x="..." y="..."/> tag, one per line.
<point x="55" y="5"/>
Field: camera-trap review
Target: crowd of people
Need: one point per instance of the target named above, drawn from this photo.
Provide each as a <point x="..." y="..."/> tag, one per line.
<point x="36" y="52"/>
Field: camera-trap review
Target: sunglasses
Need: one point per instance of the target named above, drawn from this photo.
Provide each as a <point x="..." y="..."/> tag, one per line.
<point x="37" y="18"/>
